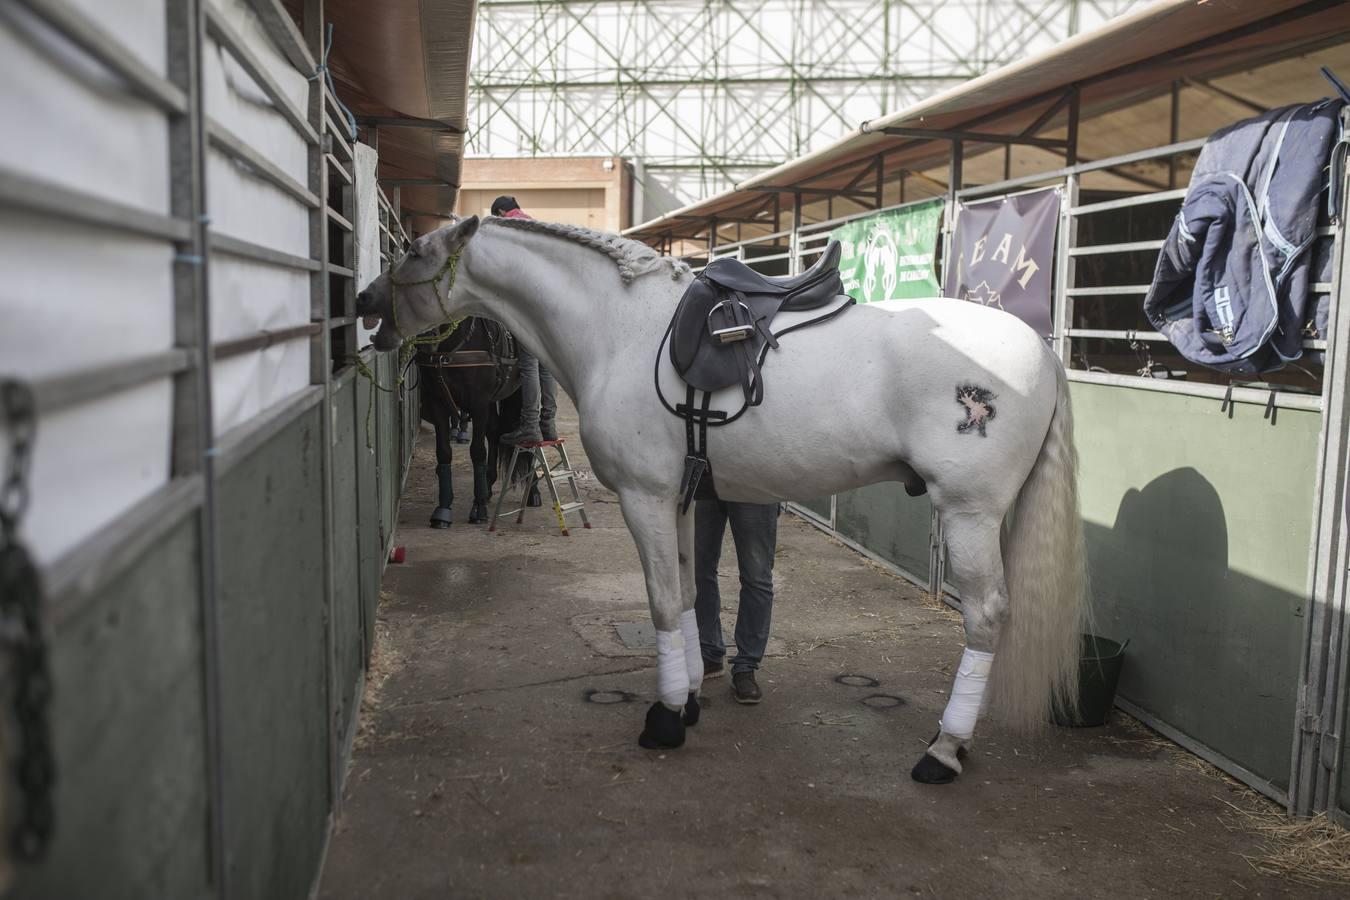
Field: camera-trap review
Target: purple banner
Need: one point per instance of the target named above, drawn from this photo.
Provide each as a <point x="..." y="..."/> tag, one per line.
<point x="1003" y="254"/>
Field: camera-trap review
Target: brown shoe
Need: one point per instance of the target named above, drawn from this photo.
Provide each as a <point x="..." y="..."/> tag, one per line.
<point x="744" y="688"/>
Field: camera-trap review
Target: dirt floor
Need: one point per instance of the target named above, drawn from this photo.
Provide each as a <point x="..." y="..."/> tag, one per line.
<point x="498" y="750"/>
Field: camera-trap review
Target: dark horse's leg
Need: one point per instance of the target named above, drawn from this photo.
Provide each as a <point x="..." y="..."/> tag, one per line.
<point x="440" y="517"/>
<point x="478" y="452"/>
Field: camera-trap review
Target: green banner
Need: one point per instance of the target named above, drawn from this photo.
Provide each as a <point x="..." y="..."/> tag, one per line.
<point x="889" y="256"/>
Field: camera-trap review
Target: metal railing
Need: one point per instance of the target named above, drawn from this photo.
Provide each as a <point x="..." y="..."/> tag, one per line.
<point x="808" y="241"/>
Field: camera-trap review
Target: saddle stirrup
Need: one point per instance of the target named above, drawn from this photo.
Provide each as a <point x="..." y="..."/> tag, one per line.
<point x="738" y="317"/>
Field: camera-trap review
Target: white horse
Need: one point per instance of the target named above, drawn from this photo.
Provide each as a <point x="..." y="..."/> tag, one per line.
<point x="961" y="398"/>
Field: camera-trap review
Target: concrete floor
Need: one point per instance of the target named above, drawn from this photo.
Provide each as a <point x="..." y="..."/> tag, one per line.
<point x="483" y="769"/>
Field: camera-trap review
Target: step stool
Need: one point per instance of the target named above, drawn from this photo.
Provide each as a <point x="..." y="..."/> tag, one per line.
<point x="560" y="470"/>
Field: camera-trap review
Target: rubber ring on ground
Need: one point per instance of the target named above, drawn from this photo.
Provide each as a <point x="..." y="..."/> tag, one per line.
<point x="882" y="701"/>
<point x="856" y="681"/>
<point x="606" y="697"/>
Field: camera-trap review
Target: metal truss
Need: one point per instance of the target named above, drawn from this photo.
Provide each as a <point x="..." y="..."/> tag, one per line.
<point x="704" y="93"/>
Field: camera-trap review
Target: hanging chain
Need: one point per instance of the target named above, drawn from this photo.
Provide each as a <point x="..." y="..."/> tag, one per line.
<point x="21" y="632"/>
<point x="1147" y="367"/>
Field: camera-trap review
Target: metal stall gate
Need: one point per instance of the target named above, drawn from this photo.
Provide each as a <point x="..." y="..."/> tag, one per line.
<point x="214" y="491"/>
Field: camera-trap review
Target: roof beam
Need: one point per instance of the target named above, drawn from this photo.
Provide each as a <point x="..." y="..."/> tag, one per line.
<point x="1214" y="89"/>
<point x="981" y="137"/>
<point x="418" y="182"/>
<point x="409" y="122"/>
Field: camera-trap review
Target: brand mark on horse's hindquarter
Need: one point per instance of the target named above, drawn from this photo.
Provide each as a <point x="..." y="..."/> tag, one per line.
<point x="979" y="406"/>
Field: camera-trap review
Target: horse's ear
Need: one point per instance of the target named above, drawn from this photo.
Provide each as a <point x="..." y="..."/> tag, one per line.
<point x="455" y="236"/>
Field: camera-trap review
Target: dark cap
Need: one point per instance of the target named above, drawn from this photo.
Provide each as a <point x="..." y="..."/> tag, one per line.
<point x="504" y="204"/>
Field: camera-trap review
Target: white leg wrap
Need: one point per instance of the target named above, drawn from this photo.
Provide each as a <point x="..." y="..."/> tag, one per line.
<point x="693" y="651"/>
<point x="672" y="678"/>
<point x="963" y="709"/>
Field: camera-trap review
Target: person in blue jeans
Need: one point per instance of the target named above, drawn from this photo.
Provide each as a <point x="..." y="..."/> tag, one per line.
<point x="538" y="389"/>
<point x="754" y="530"/>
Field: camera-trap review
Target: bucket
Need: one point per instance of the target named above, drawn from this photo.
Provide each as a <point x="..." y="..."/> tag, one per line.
<point x="1099" y="665"/>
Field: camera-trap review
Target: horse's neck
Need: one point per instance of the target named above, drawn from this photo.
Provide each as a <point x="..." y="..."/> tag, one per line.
<point x="562" y="301"/>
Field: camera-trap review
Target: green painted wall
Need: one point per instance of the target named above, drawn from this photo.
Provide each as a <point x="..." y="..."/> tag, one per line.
<point x="890" y="523"/>
<point x="348" y="615"/>
<point x="1198" y="527"/>
<point x="820" y="506"/>
<point x="388" y="447"/>
<point x="369" y="529"/>
<point x="274" y="669"/>
<point x="129" y="731"/>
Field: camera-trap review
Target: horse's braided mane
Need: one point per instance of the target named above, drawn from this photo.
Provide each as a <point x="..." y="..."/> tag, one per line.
<point x="633" y="258"/>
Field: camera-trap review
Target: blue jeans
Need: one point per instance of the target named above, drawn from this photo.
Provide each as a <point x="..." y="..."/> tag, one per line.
<point x="538" y="391"/>
<point x="754" y="529"/>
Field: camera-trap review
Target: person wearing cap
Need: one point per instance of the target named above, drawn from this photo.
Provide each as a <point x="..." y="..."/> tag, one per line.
<point x="538" y="389"/>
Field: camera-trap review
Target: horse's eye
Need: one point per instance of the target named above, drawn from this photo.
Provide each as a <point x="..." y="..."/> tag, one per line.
<point x="412" y="251"/>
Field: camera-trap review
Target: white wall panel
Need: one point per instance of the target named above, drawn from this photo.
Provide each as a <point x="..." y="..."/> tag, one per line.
<point x="236" y="101"/>
<point x="244" y="386"/>
<point x="74" y="296"/>
<point x="245" y="206"/>
<point x="73" y="123"/>
<point x="139" y="25"/>
<point x="367" y="234"/>
<point x="245" y="22"/>
<point x="248" y="297"/>
<point x="92" y="463"/>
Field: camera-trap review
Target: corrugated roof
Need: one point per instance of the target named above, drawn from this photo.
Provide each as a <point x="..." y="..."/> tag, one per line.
<point x="1127" y="60"/>
<point x="407" y="59"/>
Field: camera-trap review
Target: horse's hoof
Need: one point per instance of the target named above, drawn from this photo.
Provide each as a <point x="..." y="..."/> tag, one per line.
<point x="535" y="499"/>
<point x="929" y="770"/>
<point x="462" y="437"/>
<point x="478" y="514"/>
<point x="440" y="517"/>
<point x="664" y="731"/>
<point x="692" y="710"/>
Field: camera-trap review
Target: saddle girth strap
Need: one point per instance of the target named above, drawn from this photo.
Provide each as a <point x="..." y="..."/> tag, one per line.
<point x="697" y="482"/>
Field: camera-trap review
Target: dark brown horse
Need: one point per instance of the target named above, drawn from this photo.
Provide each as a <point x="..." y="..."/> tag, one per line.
<point x="471" y="373"/>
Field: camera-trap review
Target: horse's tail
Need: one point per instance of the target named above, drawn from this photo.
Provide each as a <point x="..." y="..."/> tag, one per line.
<point x="1036" y="664"/>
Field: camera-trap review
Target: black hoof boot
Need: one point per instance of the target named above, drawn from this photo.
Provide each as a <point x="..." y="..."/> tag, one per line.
<point x="440" y="518"/>
<point x="535" y="499"/>
<point x="929" y="770"/>
<point x="664" y="731"/>
<point x="478" y="512"/>
<point x="692" y="710"/>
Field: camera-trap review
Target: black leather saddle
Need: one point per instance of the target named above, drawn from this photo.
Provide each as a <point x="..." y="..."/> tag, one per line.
<point x="721" y="326"/>
<point x="720" y="336"/>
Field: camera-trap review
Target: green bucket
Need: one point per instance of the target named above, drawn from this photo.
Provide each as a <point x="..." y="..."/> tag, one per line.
<point x="1099" y="663"/>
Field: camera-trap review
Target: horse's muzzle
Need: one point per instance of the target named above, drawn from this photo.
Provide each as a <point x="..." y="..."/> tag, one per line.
<point x="366" y="309"/>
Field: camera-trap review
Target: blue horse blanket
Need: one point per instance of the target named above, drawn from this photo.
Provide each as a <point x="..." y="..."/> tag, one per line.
<point x="1233" y="280"/>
